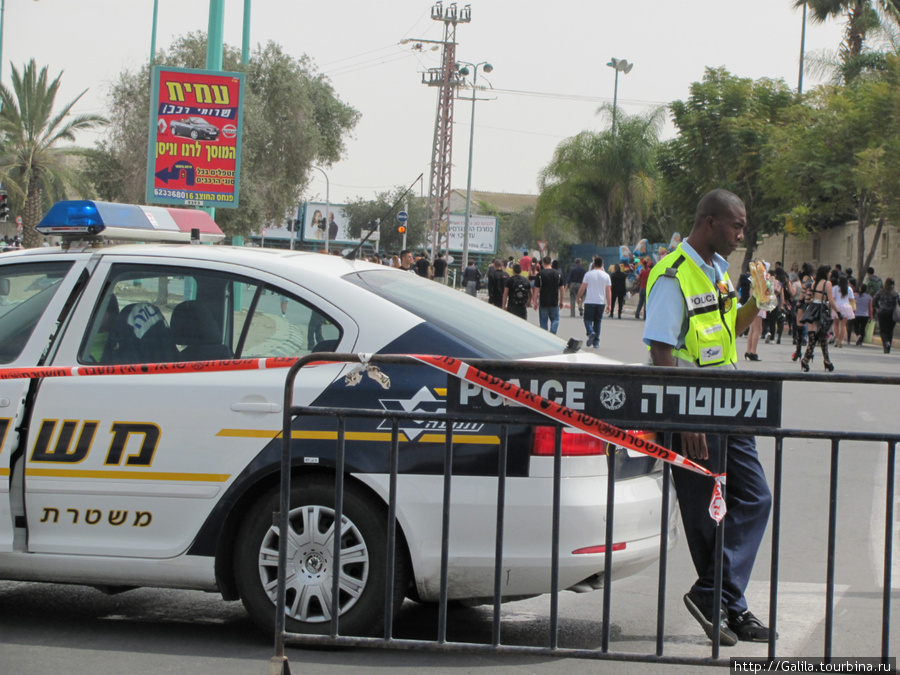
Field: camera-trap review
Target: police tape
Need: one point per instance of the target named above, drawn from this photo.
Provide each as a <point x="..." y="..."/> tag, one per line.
<point x="148" y="368"/>
<point x="577" y="420"/>
<point x="555" y="411"/>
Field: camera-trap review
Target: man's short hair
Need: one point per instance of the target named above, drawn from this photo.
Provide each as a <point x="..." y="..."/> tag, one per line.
<point x="870" y="270"/>
<point x="517" y="269"/>
<point x="547" y="260"/>
<point x="716" y="203"/>
<point x="577" y="261"/>
<point x="598" y="262"/>
<point x="404" y="252"/>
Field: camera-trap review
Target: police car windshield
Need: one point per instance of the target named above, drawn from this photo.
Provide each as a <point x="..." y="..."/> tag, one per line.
<point x="486" y="329"/>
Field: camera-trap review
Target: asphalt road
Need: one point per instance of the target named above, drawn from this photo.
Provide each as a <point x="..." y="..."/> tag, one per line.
<point x="50" y="629"/>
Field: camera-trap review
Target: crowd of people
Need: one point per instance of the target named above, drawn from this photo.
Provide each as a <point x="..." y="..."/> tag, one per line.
<point x="822" y="307"/>
<point x="815" y="307"/>
<point x="10" y="243"/>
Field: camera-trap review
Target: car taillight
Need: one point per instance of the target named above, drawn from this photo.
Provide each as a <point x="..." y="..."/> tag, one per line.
<point x="574" y="444"/>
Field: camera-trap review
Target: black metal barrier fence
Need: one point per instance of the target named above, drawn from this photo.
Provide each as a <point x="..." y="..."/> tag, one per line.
<point x="717" y="402"/>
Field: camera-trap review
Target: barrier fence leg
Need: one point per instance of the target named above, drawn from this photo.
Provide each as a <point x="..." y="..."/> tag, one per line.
<point x="888" y="552"/>
<point x="776" y="544"/>
<point x="278" y="665"/>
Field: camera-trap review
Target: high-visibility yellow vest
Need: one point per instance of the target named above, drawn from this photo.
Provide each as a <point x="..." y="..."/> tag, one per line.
<point x="711" y="310"/>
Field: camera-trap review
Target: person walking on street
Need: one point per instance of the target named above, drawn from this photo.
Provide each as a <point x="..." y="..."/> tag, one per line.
<point x="597" y="294"/>
<point x="885" y="305"/>
<point x="517" y="293"/>
<point x="703" y="335"/>
<point x="471" y="279"/>
<point x="573" y="283"/>
<point x="406" y="261"/>
<point x="643" y="277"/>
<point x="844" y="301"/>
<point x="818" y="315"/>
<point x="619" y="287"/>
<point x="440" y="269"/>
<point x="496" y="282"/>
<point x="862" y="314"/>
<point x="549" y="295"/>
<point x="873" y="282"/>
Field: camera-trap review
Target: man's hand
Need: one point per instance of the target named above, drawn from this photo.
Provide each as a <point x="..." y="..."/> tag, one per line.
<point x="694" y="445"/>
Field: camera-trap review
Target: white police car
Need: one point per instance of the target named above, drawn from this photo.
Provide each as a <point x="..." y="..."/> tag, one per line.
<point x="170" y="480"/>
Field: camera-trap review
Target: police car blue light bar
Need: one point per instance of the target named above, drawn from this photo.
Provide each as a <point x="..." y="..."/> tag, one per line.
<point x="127" y="222"/>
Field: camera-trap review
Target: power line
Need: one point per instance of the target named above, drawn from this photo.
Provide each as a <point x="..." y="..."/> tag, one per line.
<point x="354" y="67"/>
<point x="575" y="97"/>
<point x="356" y="56"/>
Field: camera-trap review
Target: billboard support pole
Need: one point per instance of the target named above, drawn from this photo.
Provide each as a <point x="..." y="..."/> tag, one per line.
<point x="214" y="45"/>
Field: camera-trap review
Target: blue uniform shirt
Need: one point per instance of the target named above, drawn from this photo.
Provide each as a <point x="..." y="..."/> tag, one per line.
<point x="666" y="314"/>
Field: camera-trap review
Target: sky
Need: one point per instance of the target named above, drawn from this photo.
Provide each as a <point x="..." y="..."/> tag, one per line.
<point x="549" y="68"/>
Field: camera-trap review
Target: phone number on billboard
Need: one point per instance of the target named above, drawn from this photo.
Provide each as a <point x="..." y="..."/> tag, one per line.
<point x="190" y="198"/>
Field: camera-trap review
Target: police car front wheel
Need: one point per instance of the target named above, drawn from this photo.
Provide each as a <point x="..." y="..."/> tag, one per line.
<point x="310" y="561"/>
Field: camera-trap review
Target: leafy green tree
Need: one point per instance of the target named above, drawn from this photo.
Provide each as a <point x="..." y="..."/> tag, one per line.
<point x="361" y="213"/>
<point x="292" y="120"/>
<point x="35" y="170"/>
<point x="515" y="232"/>
<point x="723" y="126"/>
<point x="836" y="158"/>
<point x="602" y="185"/>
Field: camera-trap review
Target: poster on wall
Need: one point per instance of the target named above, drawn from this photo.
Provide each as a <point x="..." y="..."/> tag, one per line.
<point x="194" y="148"/>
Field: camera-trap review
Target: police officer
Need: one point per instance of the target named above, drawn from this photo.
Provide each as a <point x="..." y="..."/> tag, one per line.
<point x="693" y="319"/>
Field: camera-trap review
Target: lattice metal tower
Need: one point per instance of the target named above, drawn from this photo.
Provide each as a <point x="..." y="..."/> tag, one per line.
<point x="447" y="78"/>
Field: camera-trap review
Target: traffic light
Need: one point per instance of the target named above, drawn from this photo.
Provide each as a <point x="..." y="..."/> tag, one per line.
<point x="4" y="206"/>
<point x="401" y="229"/>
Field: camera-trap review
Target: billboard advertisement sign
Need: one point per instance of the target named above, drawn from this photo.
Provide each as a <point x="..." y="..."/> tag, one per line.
<point x="310" y="225"/>
<point x="482" y="233"/>
<point x="194" y="149"/>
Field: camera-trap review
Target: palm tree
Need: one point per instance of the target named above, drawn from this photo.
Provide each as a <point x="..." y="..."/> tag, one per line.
<point x="862" y="17"/>
<point x="31" y="165"/>
<point x="601" y="183"/>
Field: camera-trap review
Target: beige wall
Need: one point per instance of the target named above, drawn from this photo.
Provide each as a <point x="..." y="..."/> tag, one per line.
<point x="833" y="246"/>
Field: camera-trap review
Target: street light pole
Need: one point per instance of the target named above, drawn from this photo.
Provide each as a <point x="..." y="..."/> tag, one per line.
<point x="327" y="204"/>
<point x="2" y="14"/>
<point x="619" y="65"/>
<point x="152" y="33"/>
<point x="485" y="67"/>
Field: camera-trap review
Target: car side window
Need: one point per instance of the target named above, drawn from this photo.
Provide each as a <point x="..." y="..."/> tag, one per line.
<point x="283" y="325"/>
<point x="25" y="292"/>
<point x="159" y="314"/>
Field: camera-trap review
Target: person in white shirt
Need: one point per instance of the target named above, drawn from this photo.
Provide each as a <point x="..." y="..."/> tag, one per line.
<point x="597" y="294"/>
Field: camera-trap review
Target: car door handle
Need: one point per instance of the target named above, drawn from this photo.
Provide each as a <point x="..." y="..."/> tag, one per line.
<point x="263" y="407"/>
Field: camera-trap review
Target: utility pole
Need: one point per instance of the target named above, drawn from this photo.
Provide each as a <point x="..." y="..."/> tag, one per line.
<point x="447" y="78"/>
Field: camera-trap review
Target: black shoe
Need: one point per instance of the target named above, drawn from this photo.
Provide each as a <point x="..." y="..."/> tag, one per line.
<point x="701" y="609"/>
<point x="752" y="357"/>
<point x="747" y="627"/>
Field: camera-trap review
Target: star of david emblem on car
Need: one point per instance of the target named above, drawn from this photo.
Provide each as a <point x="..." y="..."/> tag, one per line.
<point x="612" y="397"/>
